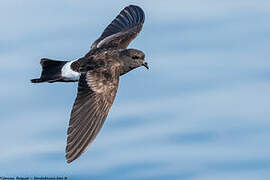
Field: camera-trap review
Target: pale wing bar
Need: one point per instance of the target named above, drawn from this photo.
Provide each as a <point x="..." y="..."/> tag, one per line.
<point x="123" y="29"/>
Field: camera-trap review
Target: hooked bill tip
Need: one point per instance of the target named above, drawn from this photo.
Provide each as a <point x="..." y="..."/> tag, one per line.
<point x="145" y="64"/>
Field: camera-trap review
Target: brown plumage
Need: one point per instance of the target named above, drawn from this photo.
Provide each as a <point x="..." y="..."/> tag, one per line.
<point x="96" y="92"/>
<point x="98" y="74"/>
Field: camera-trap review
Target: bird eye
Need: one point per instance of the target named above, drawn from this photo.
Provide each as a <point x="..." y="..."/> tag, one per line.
<point x="135" y="57"/>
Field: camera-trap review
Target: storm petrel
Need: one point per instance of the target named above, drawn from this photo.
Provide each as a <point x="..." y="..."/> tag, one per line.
<point x="98" y="74"/>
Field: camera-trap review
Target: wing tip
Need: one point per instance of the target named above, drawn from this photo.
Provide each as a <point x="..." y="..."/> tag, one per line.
<point x="69" y="157"/>
<point x="69" y="160"/>
<point x="139" y="11"/>
<point x="132" y="16"/>
<point x="124" y="21"/>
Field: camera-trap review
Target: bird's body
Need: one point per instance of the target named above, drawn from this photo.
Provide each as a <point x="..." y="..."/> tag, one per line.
<point x="98" y="74"/>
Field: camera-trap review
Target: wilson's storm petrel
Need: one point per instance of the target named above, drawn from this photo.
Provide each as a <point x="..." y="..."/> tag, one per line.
<point x="98" y="74"/>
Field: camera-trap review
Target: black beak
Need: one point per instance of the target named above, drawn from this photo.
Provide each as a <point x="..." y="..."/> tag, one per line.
<point x="145" y="64"/>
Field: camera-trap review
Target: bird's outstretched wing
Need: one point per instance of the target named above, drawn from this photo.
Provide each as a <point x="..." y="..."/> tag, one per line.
<point x="96" y="93"/>
<point x="122" y="30"/>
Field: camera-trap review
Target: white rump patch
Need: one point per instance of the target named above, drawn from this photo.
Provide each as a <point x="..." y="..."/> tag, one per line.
<point x="68" y="73"/>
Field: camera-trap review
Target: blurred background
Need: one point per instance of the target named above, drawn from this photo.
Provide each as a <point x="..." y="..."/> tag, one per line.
<point x="200" y="112"/>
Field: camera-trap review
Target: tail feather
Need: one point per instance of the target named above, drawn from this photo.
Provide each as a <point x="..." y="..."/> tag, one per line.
<point x="38" y="80"/>
<point x="51" y="71"/>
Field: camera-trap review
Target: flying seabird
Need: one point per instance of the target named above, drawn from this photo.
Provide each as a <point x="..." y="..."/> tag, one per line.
<point x="98" y="74"/>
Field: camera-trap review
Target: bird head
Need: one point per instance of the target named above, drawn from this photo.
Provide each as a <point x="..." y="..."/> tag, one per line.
<point x="132" y="58"/>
